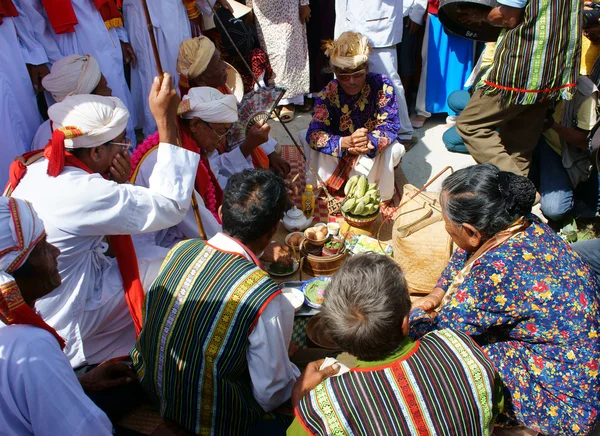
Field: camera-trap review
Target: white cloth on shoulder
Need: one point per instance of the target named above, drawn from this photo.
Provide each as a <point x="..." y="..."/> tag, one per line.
<point x="72" y="75"/>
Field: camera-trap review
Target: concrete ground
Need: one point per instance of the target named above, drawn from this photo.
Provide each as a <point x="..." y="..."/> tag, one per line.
<point x="422" y="162"/>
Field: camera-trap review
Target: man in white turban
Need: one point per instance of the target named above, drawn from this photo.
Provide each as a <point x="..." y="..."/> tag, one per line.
<point x="39" y="393"/>
<point x="71" y="75"/>
<point x="206" y="117"/>
<point x="82" y="210"/>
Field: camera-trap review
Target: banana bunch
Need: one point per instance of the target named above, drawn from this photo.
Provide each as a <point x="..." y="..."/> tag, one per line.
<point x="362" y="197"/>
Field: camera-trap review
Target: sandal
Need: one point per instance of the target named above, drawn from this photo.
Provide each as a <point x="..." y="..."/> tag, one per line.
<point x="286" y="114"/>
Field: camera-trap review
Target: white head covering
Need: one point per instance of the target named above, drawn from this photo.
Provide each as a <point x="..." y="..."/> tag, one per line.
<point x="89" y="120"/>
<point x="72" y="75"/>
<point x="209" y="105"/>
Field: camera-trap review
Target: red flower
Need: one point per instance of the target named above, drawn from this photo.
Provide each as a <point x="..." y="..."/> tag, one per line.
<point x="593" y="365"/>
<point x="538" y="361"/>
<point x="461" y="296"/>
<point x="540" y="287"/>
<point x="498" y="264"/>
<point x="531" y="328"/>
<point x="583" y="300"/>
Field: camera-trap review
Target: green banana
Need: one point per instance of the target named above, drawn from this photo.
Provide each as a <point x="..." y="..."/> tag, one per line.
<point x="361" y="188"/>
<point x="351" y="183"/>
<point x="349" y="204"/>
<point x="359" y="208"/>
<point x="372" y="186"/>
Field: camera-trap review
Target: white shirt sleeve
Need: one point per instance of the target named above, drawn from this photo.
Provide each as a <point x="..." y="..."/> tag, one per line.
<point x="417" y="11"/>
<point x="273" y="375"/>
<point x="101" y="207"/>
<point x="42" y="394"/>
<point x="40" y="26"/>
<point x="269" y="146"/>
<point x="32" y="50"/>
<point x="513" y="3"/>
<point x="227" y="164"/>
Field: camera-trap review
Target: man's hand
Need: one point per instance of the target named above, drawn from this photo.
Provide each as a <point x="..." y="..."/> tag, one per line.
<point x="359" y="151"/>
<point x="304" y="14"/>
<point x="411" y="26"/>
<point x="109" y="374"/>
<point x="256" y="135"/>
<point x="280" y="166"/>
<point x="121" y="167"/>
<point x="277" y="252"/>
<point x="36" y="74"/>
<point x="129" y="56"/>
<point x="358" y="139"/>
<point x="505" y="16"/>
<point x="197" y="26"/>
<point x="163" y="102"/>
<point x="310" y="378"/>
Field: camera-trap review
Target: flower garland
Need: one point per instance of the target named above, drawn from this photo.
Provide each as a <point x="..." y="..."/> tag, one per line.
<point x="209" y="197"/>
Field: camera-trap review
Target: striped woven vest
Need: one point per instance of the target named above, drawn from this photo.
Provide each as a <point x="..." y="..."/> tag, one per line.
<point x="443" y="387"/>
<point x="191" y="353"/>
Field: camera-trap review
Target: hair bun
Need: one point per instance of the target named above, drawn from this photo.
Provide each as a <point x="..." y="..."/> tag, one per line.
<point x="518" y="192"/>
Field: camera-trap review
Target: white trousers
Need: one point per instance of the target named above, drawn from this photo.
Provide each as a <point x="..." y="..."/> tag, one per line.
<point x="422" y="92"/>
<point x="385" y="61"/>
<point x="379" y="170"/>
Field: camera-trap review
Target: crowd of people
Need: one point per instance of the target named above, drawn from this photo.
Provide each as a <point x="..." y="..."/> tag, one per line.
<point x="134" y="226"/>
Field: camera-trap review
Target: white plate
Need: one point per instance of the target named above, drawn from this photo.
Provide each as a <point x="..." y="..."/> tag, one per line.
<point x="294" y="269"/>
<point x="294" y="296"/>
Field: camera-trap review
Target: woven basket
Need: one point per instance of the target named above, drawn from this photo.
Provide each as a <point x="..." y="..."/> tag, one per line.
<point x="361" y="222"/>
<point x="422" y="247"/>
<point x="317" y="266"/>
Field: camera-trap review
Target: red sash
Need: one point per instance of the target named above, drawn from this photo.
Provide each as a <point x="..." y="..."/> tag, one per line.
<point x="122" y="245"/>
<point x="63" y="19"/>
<point x="7" y="9"/>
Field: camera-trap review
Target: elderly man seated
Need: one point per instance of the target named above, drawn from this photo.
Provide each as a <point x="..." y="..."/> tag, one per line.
<point x="97" y="308"/>
<point x="442" y="384"/>
<point x="213" y="352"/>
<point x="39" y="393"/>
<point x="71" y="75"/>
<point x="355" y="123"/>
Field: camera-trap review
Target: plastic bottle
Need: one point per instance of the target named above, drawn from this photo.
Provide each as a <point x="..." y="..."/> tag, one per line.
<point x="308" y="202"/>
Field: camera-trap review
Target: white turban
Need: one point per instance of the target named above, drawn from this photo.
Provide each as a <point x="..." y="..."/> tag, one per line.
<point x="88" y="120"/>
<point x="72" y="75"/>
<point x="209" y="105"/>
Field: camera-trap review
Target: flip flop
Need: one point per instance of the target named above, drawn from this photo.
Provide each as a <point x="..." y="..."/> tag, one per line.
<point x="286" y="114"/>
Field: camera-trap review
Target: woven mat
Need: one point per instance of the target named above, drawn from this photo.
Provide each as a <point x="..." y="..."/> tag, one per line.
<point x="291" y="155"/>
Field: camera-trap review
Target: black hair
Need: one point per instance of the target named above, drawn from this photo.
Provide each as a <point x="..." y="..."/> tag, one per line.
<point x="365" y="306"/>
<point x="486" y="198"/>
<point x="253" y="203"/>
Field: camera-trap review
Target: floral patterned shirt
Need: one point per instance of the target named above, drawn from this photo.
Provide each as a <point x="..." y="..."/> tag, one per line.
<point x="532" y="304"/>
<point x="337" y="114"/>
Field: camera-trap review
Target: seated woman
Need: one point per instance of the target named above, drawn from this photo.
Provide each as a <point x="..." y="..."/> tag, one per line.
<point x="355" y="122"/>
<point x="206" y="116"/>
<point x="524" y="296"/>
<point x="391" y="391"/>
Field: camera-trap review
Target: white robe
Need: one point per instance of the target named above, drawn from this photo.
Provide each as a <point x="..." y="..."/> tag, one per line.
<point x="39" y="392"/>
<point x="382" y="22"/>
<point x="272" y="374"/>
<point x="42" y="136"/>
<point x="171" y="27"/>
<point x="90" y="37"/>
<point x="79" y="209"/>
<point x="379" y="170"/>
<point x="19" y="116"/>
<point x="186" y="229"/>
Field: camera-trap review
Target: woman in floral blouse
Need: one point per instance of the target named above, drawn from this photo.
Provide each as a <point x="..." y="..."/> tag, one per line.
<point x="355" y="122"/>
<point x="524" y="296"/>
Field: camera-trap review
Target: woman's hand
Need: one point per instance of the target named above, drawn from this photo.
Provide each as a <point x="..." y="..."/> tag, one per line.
<point x="310" y="378"/>
<point x="430" y="302"/>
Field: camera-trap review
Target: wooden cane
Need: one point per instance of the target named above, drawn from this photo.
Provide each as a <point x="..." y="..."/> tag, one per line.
<point x="159" y="69"/>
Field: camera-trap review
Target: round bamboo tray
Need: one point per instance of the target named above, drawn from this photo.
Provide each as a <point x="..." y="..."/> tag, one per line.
<point x="318" y="265"/>
<point x="362" y="222"/>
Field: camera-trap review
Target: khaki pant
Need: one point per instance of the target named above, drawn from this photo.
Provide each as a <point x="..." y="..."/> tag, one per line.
<point x="502" y="135"/>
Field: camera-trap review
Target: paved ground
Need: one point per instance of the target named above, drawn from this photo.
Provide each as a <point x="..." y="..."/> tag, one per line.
<point x="422" y="162"/>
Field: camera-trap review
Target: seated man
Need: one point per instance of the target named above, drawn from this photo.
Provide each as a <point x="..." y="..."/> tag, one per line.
<point x="71" y="75"/>
<point x="199" y="64"/>
<point x="213" y="353"/>
<point x="205" y="117"/>
<point x="355" y="123"/>
<point x="443" y="384"/>
<point x="40" y="394"/>
<point x="67" y="185"/>
<point x="568" y="181"/>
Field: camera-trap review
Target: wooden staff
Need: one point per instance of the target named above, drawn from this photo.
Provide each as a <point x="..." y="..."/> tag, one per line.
<point x="159" y="69"/>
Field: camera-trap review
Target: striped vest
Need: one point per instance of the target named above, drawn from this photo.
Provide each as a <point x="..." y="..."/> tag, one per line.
<point x="444" y="386"/>
<point x="190" y="356"/>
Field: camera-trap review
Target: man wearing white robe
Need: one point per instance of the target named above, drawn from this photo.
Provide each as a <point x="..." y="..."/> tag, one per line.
<point x="71" y="75"/>
<point x="90" y="37"/>
<point x="19" y="115"/>
<point x="80" y="208"/>
<point x="382" y="23"/>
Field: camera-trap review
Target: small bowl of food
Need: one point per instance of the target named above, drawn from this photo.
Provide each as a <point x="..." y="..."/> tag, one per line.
<point x="294" y="240"/>
<point x="294" y="296"/>
<point x="277" y="269"/>
<point x="314" y="291"/>
<point x="317" y="236"/>
<point x="332" y="247"/>
<point x="333" y="229"/>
